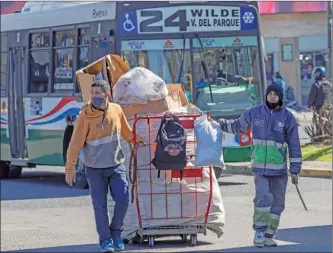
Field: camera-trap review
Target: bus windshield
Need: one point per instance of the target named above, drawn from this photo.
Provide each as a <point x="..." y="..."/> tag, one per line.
<point x="220" y="74"/>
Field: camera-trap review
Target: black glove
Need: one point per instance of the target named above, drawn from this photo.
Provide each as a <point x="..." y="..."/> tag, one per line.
<point x="294" y="179"/>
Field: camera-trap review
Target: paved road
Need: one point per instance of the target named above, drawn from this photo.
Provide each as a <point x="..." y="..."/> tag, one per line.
<point x="40" y="214"/>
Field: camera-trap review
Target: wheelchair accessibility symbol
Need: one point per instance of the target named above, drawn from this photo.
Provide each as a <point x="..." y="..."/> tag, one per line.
<point x="128" y="24"/>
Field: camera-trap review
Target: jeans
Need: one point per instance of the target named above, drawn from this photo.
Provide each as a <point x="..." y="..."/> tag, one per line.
<point x="99" y="181"/>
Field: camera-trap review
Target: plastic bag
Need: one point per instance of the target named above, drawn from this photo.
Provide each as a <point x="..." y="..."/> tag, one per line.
<point x="209" y="150"/>
<point x="138" y="86"/>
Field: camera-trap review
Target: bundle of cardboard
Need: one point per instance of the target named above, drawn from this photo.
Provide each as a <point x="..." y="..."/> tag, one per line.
<point x="109" y="68"/>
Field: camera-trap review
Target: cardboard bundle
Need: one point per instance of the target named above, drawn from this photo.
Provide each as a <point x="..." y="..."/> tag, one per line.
<point x="174" y="100"/>
<point x="109" y="68"/>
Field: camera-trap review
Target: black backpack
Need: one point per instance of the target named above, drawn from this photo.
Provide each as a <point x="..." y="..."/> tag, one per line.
<point x="170" y="153"/>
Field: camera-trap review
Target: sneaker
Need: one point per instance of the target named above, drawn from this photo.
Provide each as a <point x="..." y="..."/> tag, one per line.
<point x="270" y="242"/>
<point x="107" y="246"/>
<point x="259" y="239"/>
<point x="118" y="243"/>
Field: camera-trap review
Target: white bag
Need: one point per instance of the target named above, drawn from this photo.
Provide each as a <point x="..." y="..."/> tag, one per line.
<point x="209" y="150"/>
<point x="138" y="86"/>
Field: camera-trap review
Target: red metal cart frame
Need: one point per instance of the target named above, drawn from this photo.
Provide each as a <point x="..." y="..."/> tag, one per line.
<point x="187" y="120"/>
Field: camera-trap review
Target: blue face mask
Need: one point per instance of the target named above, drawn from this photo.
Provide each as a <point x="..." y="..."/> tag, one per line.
<point x="97" y="101"/>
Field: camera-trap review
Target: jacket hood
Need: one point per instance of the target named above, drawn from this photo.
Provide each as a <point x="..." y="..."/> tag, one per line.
<point x="277" y="88"/>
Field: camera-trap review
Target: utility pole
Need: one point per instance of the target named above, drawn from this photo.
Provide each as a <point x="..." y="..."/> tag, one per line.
<point x="329" y="36"/>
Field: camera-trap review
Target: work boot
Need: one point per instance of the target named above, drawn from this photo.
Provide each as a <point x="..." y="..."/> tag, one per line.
<point x="270" y="242"/>
<point x="259" y="239"/>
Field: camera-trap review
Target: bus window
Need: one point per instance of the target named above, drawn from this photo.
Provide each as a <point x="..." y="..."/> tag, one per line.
<point x="3" y="73"/>
<point x="39" y="57"/>
<point x="3" y="84"/>
<point x="83" y="50"/>
<point x="136" y="58"/>
<point x="101" y="47"/>
<point x="169" y="59"/>
<point x="229" y="86"/>
<point x="63" y="53"/>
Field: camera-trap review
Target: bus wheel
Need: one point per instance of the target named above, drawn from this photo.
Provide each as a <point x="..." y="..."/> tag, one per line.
<point x="4" y="170"/>
<point x="218" y="172"/>
<point x="15" y="172"/>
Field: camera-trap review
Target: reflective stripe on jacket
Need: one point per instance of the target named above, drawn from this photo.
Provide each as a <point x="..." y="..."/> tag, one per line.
<point x="274" y="133"/>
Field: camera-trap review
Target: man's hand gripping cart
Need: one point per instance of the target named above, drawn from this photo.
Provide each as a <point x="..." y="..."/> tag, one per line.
<point x="168" y="188"/>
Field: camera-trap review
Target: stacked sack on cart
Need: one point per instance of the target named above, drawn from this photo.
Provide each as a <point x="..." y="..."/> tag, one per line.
<point x="158" y="201"/>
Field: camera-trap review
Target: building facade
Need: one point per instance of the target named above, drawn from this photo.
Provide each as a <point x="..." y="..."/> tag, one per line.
<point x="296" y="42"/>
<point x="295" y="35"/>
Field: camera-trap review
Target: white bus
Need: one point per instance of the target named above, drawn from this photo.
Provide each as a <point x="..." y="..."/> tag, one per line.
<point x="213" y="48"/>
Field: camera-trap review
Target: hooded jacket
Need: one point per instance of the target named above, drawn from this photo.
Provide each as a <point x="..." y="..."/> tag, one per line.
<point x="100" y="142"/>
<point x="273" y="132"/>
<point x="320" y="93"/>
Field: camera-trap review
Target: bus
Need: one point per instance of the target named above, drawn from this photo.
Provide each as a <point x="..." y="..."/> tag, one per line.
<point x="214" y="49"/>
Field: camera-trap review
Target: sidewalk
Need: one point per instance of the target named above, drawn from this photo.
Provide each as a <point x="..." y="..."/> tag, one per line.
<point x="304" y="116"/>
<point x="309" y="169"/>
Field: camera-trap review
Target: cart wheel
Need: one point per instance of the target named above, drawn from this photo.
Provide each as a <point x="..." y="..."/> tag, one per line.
<point x="151" y="241"/>
<point x="193" y="240"/>
<point x="184" y="238"/>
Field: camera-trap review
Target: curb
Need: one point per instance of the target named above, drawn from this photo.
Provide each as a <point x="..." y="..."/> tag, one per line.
<point x="305" y="172"/>
<point x="318" y="172"/>
<point x="237" y="169"/>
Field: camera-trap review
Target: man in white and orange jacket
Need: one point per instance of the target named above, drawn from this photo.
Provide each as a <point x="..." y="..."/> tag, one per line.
<point x="97" y="131"/>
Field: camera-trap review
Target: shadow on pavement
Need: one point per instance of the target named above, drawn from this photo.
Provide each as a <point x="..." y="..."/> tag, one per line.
<point x="39" y="185"/>
<point x="159" y="244"/>
<point x="74" y="248"/>
<point x="230" y="183"/>
<point x="305" y="239"/>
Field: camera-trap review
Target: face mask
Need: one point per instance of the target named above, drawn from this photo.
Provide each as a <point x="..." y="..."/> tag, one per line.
<point x="97" y="101"/>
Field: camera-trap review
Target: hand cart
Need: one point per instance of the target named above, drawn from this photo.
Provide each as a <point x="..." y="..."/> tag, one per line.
<point x="150" y="233"/>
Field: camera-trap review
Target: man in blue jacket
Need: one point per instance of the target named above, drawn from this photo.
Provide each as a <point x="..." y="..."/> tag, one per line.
<point x="274" y="129"/>
<point x="320" y="99"/>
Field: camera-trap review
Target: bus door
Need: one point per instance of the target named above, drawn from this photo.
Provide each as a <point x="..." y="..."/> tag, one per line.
<point x="16" y="121"/>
